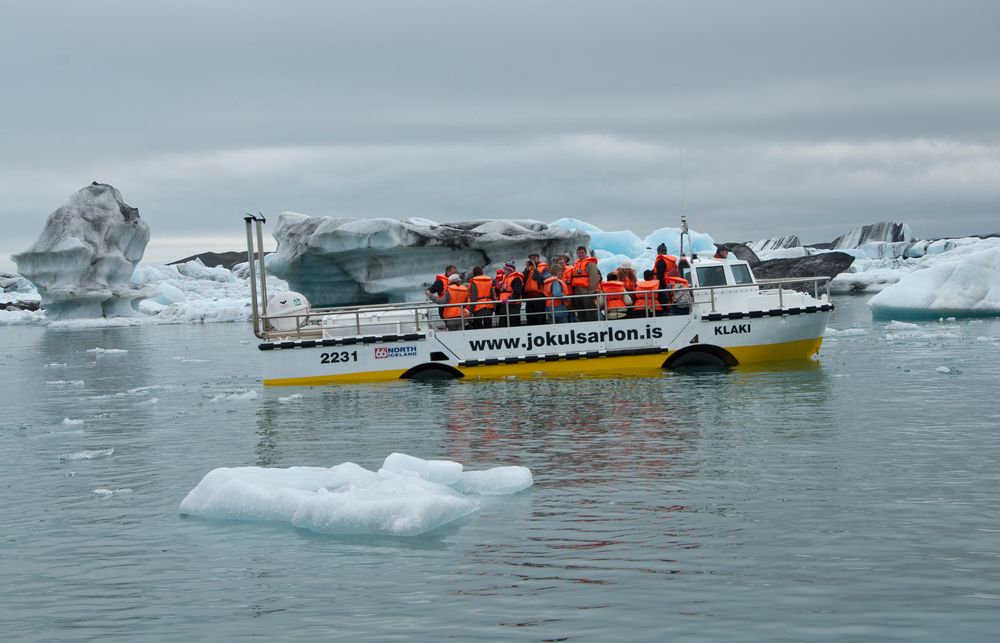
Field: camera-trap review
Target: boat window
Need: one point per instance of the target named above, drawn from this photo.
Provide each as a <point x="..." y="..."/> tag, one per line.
<point x="741" y="273"/>
<point x="711" y="276"/>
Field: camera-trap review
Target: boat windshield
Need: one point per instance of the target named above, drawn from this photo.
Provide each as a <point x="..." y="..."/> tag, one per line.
<point x="741" y="274"/>
<point x="711" y="276"/>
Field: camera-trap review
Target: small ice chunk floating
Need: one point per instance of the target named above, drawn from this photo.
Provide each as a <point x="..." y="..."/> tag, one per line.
<point x="408" y="496"/>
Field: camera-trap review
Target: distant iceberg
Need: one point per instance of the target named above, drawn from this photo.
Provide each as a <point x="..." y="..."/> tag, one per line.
<point x="951" y="284"/>
<point x="408" y="496"/>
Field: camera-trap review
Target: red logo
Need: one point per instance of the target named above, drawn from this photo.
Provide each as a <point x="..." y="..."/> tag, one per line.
<point x="381" y="352"/>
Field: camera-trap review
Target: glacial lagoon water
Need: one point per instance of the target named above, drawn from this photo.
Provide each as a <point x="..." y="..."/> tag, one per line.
<point x="858" y="499"/>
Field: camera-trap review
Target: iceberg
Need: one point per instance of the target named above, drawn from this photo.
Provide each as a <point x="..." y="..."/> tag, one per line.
<point x="954" y="284"/>
<point x="408" y="496"/>
<point x="884" y="231"/>
<point x="362" y="261"/>
<point x="82" y="262"/>
<point x="776" y="243"/>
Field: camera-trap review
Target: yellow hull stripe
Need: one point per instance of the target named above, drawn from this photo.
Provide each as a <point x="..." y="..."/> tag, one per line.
<point x="628" y="364"/>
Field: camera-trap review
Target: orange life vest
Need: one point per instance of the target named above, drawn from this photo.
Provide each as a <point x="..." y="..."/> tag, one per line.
<point x="676" y="283"/>
<point x="645" y="297"/>
<point x="531" y="288"/>
<point x="484" y="293"/>
<point x="456" y="295"/>
<point x="547" y="291"/>
<point x="613" y="294"/>
<point x="669" y="261"/>
<point x="628" y="279"/>
<point x="580" y="277"/>
<point x="567" y="280"/>
<point x="443" y="280"/>
<point x="506" y="291"/>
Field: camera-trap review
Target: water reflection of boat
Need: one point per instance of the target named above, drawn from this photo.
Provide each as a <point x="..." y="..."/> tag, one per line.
<point x="733" y="319"/>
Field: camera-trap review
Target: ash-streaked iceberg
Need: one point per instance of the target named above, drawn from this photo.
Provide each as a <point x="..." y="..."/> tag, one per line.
<point x="345" y="261"/>
<point x="408" y="496"/>
<point x="84" y="258"/>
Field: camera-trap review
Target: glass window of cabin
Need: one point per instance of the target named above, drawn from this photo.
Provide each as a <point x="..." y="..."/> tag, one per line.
<point x="741" y="273"/>
<point x="711" y="276"/>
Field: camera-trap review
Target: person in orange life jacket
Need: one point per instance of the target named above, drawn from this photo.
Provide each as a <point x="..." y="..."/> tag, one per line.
<point x="613" y="300"/>
<point x="627" y="276"/>
<point x="555" y="305"/>
<point x="481" y="298"/>
<point x="441" y="282"/>
<point x="584" y="280"/>
<point x="508" y="311"/>
<point x="721" y="252"/>
<point x="663" y="264"/>
<point x="534" y="306"/>
<point x="498" y="280"/>
<point x="646" y="303"/>
<point x="680" y="297"/>
<point x="563" y="268"/>
<point x="457" y="295"/>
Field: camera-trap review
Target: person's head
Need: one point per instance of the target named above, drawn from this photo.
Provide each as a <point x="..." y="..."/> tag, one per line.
<point x="454" y="278"/>
<point x="477" y="271"/>
<point x="613" y="275"/>
<point x="661" y="249"/>
<point x="648" y="274"/>
<point x="529" y="265"/>
<point x="581" y="252"/>
<point x="722" y="251"/>
<point x="509" y="267"/>
<point x="560" y="262"/>
<point x="682" y="264"/>
<point x="626" y="265"/>
<point x="534" y="257"/>
<point x="450" y="270"/>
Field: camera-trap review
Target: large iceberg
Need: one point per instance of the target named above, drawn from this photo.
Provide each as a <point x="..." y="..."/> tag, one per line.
<point x="82" y="262"/>
<point x="408" y="496"/>
<point x="345" y="261"/>
<point x="951" y="284"/>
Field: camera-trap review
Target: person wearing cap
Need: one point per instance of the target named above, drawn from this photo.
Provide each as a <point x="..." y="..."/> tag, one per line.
<point x="510" y="292"/>
<point x="721" y="252"/>
<point x="457" y="295"/>
<point x="627" y="276"/>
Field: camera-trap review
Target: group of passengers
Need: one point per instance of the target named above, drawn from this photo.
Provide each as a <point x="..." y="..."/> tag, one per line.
<point x="563" y="292"/>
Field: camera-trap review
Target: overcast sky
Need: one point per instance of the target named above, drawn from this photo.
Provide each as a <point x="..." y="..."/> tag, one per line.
<point x="759" y="118"/>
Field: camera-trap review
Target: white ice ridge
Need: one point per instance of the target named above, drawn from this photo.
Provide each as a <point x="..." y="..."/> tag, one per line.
<point x="408" y="496"/>
<point x="961" y="285"/>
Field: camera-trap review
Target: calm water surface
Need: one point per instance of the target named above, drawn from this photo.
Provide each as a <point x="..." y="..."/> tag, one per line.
<point x="855" y="500"/>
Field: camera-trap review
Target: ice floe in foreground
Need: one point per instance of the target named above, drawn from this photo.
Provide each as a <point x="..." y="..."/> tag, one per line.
<point x="408" y="496"/>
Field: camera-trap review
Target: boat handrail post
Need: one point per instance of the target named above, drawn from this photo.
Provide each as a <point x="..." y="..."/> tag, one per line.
<point x="357" y="321"/>
<point x="711" y="292"/>
<point x="260" y="220"/>
<point x="781" y="298"/>
<point x="254" y="316"/>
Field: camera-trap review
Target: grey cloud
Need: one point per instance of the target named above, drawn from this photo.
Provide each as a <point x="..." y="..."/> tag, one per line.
<point x="455" y="110"/>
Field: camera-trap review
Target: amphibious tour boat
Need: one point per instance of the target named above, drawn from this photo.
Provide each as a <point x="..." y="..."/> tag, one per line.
<point x="733" y="319"/>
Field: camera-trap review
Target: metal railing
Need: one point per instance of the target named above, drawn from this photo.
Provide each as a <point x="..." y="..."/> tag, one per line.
<point x="425" y="315"/>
